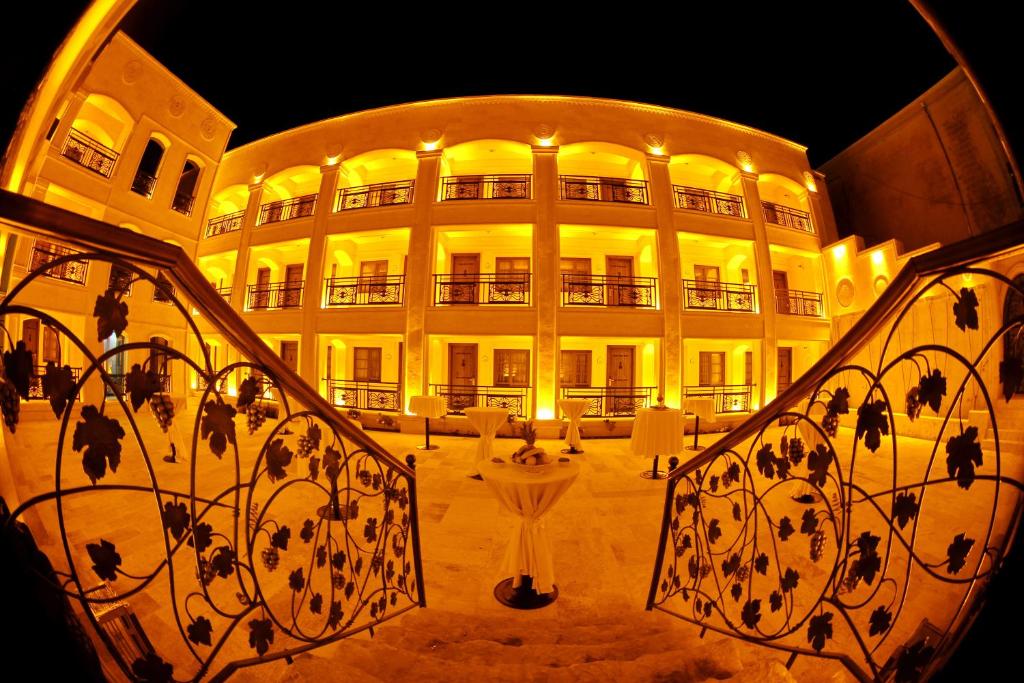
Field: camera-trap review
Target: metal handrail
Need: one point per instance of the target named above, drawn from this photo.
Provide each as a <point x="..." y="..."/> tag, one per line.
<point x="229" y="222"/>
<point x="458" y="397"/>
<point x="274" y="295"/>
<point x="375" y="290"/>
<point x="728" y="398"/>
<point x="612" y="401"/>
<point x="709" y="201"/>
<point x="182" y="203"/>
<point x="486" y="187"/>
<point x="778" y="214"/>
<point x="609" y="290"/>
<point x="350" y="393"/>
<point x="601" y="189"/>
<point x="287" y="209"/>
<point x="68" y="271"/>
<point x="89" y="153"/>
<point x="798" y="302"/>
<point x="377" y="194"/>
<point x="719" y="296"/>
<point x="482" y="288"/>
<point x="144" y="184"/>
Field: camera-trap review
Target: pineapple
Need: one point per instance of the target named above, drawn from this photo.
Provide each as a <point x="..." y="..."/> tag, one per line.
<point x="528" y="453"/>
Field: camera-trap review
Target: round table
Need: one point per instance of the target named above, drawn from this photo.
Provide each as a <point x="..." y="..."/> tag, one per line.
<point x="656" y="432"/>
<point x="486" y="421"/>
<point x="428" y="407"/>
<point x="574" y="409"/>
<point x="701" y="407"/>
<point x="528" y="492"/>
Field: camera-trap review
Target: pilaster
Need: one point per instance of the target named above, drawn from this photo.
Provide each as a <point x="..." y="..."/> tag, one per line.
<point x="240" y="284"/>
<point x="546" y="289"/>
<point x="765" y="288"/>
<point x="309" y="347"/>
<point x="670" y="279"/>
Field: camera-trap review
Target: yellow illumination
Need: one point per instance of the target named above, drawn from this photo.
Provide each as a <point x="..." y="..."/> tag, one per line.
<point x="232" y="391"/>
<point x="877" y="257"/>
<point x="430" y="146"/>
<point x="657" y="151"/>
<point x="333" y="160"/>
<point x="545" y="142"/>
<point x="839" y="252"/>
<point x="545" y="414"/>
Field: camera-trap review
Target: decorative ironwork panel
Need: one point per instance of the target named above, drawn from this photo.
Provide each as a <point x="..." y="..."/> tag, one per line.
<point x="796" y="302"/>
<point x="54" y="261"/>
<point x="608" y="290"/>
<point x="482" y="288"/>
<point x="144" y="184"/>
<point x="89" y="153"/>
<point x="48" y="373"/>
<point x="486" y="187"/>
<point x="384" y="396"/>
<point x="287" y="209"/>
<point x="783" y="215"/>
<point x="718" y="296"/>
<point x="612" y="401"/>
<point x="729" y="398"/>
<point x="182" y="203"/>
<point x="592" y="188"/>
<point x="379" y="194"/>
<point x="709" y="201"/>
<point x="459" y="397"/>
<point x="274" y="295"/>
<point x="121" y="280"/>
<point x="227" y="223"/>
<point x="365" y="291"/>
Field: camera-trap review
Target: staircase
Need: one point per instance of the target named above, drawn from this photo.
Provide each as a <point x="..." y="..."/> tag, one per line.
<point x="1010" y="418"/>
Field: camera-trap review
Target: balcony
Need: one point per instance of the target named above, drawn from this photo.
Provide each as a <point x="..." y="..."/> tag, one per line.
<point x="89" y="153"/>
<point x="709" y="201"/>
<point x="459" y="397"/>
<point x="230" y="222"/>
<point x="486" y="187"/>
<point x="224" y="292"/>
<point x="482" y="288"/>
<point x="274" y="295"/>
<point x="718" y="296"/>
<point x="144" y="184"/>
<point x="796" y="302"/>
<point x="728" y="398"/>
<point x="612" y="401"/>
<point x="378" y="194"/>
<point x="787" y="217"/>
<point x="609" y="290"/>
<point x="35" y="384"/>
<point x="182" y="203"/>
<point x="596" y="189"/>
<point x="68" y="271"/>
<point x="117" y="385"/>
<point x="287" y="209"/>
<point x="365" y="291"/>
<point x="347" y="393"/>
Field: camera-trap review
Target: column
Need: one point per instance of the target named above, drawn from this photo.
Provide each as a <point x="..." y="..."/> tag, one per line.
<point x="239" y="285"/>
<point x="546" y="289"/>
<point x="765" y="287"/>
<point x="670" y="279"/>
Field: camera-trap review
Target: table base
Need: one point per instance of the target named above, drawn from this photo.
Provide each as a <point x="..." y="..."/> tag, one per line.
<point x="572" y="451"/>
<point x="651" y="474"/>
<point x="428" y="447"/>
<point x="523" y="597"/>
<point x="694" y="448"/>
<point x="426" y="430"/>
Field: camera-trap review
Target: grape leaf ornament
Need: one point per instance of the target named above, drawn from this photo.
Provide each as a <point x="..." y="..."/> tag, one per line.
<point x="872" y="423"/>
<point x="931" y="389"/>
<point x="279" y="457"/>
<point x="111" y="315"/>
<point x="965" y="309"/>
<point x="218" y="425"/>
<point x="199" y="631"/>
<point x="18" y="367"/>
<point x="963" y="452"/>
<point x="105" y="559"/>
<point x="261" y="635"/>
<point x="819" y="630"/>
<point x="141" y="385"/>
<point x="58" y="386"/>
<point x="100" y="437"/>
<point x="152" y="669"/>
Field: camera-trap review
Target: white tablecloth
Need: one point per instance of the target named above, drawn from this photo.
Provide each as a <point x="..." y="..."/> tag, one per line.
<point x="486" y="421"/>
<point x="657" y="432"/>
<point x="574" y="409"/>
<point x="704" y="408"/>
<point x="428" y="406"/>
<point x="529" y="496"/>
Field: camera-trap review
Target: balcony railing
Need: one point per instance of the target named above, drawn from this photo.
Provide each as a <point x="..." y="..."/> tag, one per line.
<point x="385" y="396"/>
<point x="729" y="398"/>
<point x="287" y="209"/>
<point x="44" y="253"/>
<point x="609" y="290"/>
<point x="596" y="189"/>
<point x="118" y="385"/>
<point x="458" y="397"/>
<point x="783" y="215"/>
<point x="182" y="203"/>
<point x="612" y="401"/>
<point x="797" y="302"/>
<point x="230" y="222"/>
<point x="482" y="288"/>
<point x="718" y="296"/>
<point x="378" y="194"/>
<point x="364" y="291"/>
<point x="144" y="184"/>
<point x="274" y="295"/>
<point x="224" y="292"/>
<point x="90" y="153"/>
<point x="486" y="187"/>
<point x="36" y="391"/>
<point x="709" y="201"/>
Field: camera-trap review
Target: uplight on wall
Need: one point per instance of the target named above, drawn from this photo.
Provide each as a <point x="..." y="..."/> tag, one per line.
<point x="545" y="135"/>
<point x="745" y="162"/>
<point x="809" y="182"/>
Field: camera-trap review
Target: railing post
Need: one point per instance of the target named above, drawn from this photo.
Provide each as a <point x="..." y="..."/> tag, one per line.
<point x="765" y="285"/>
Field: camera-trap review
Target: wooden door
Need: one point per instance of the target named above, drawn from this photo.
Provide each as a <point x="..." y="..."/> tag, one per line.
<point x="293" y="286"/>
<point x="30" y="335"/>
<point x="261" y="297"/>
<point x="780" y="282"/>
<point x="366" y="364"/>
<point x="461" y="376"/>
<point x="619" y="379"/>
<point x="706" y="279"/>
<point x="784" y="368"/>
<point x="373" y="276"/>
<point x="620" y="280"/>
<point x="465" y="278"/>
<point x="51" y="346"/>
<point x="290" y="354"/>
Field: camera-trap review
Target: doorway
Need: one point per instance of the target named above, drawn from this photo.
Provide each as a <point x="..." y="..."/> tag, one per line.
<point x="619" y="361"/>
<point x="620" y="290"/>
<point x="465" y="278"/>
<point x="461" y="376"/>
<point x="293" y="286"/>
<point x="784" y="368"/>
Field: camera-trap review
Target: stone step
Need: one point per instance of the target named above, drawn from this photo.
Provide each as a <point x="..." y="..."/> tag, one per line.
<point x="1008" y="446"/>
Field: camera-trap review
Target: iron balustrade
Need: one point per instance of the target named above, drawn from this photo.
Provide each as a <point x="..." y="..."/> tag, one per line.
<point x="117" y="384"/>
<point x="458" y="397"/>
<point x="182" y="203"/>
<point x="230" y="222"/>
<point x="482" y="288"/>
<point x="375" y="290"/>
<point x="349" y="393"/>
<point x="785" y="216"/>
<point x="89" y="153"/>
<point x="709" y="201"/>
<point x="797" y="302"/>
<point x="120" y="280"/>
<point x="144" y="184"/>
<point x="287" y="209"/>
<point x="486" y="187"/>
<point x="44" y="253"/>
<point x="718" y="296"/>
<point x="224" y="292"/>
<point x="274" y="295"/>
<point x="378" y="194"/>
<point x="609" y="290"/>
<point x="36" y="391"/>
<point x="598" y="189"/>
<point x="729" y="398"/>
<point x="612" y="401"/>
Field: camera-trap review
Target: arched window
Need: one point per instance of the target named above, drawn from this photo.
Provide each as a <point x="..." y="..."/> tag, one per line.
<point x="185" y="194"/>
<point x="149" y="164"/>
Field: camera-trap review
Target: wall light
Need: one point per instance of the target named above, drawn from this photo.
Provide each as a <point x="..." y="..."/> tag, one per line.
<point x="745" y="162"/>
<point x="877" y="257"/>
<point x="839" y="252"/>
<point x="809" y="182"/>
<point x="545" y="414"/>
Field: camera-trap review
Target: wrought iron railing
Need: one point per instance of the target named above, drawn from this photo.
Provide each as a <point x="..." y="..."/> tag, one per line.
<point x="117" y="384"/>
<point x="90" y="153"/>
<point x="612" y="401"/>
<point x="259" y="542"/>
<point x="224" y="292"/>
<point x="596" y="189"/>
<point x="486" y="187"/>
<point x="728" y="398"/>
<point x="860" y="517"/>
<point x="66" y="269"/>
<point x="182" y="203"/>
<point x="609" y="290"/>
<point x="376" y="290"/>
<point x="458" y="397"/>
<point x="144" y="184"/>
<point x="287" y="209"/>
<point x="718" y="296"/>
<point x="482" y="288"/>
<point x="230" y="222"/>
<point x="349" y="393"/>
<point x="784" y="215"/>
<point x="274" y="295"/>
<point x="798" y="302"/>
<point x="120" y="280"/>
<point x="44" y="375"/>
<point x="378" y="194"/>
<point x="709" y="201"/>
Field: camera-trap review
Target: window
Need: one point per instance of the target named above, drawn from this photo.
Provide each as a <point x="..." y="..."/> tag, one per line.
<point x="574" y="369"/>
<point x="705" y="273"/>
<point x="185" y="193"/>
<point x="511" y="368"/>
<point x="712" y="368"/>
<point x="366" y="364"/>
<point x="748" y="368"/>
<point x="575" y="274"/>
<point x="120" y="280"/>
<point x="145" y="176"/>
<point x="512" y="275"/>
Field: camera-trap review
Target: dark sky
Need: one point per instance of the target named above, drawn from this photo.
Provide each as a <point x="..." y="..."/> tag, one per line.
<point x="820" y="80"/>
